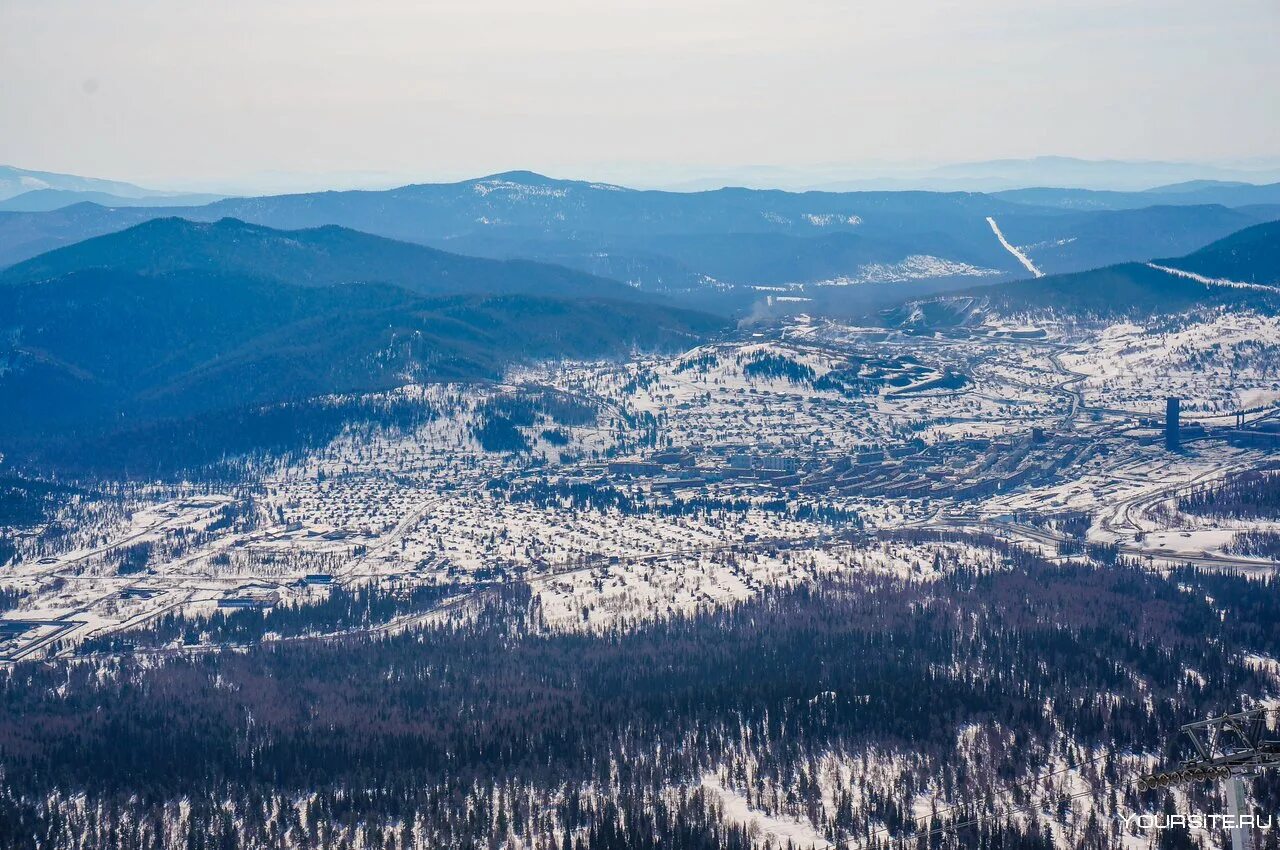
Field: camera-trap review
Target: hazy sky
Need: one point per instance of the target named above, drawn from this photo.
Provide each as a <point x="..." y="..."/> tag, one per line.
<point x="246" y="92"/>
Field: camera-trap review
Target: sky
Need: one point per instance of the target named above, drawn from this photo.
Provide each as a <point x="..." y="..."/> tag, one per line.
<point x="271" y="94"/>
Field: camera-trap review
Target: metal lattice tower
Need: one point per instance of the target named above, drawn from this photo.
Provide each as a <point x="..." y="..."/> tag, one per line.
<point x="1228" y="748"/>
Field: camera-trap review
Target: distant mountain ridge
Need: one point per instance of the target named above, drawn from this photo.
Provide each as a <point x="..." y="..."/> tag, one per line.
<point x="1250" y="256"/>
<point x="46" y="200"/>
<point x="176" y="320"/>
<point x="321" y="256"/>
<point x="603" y="229"/>
<point x="1191" y="193"/>
<point x="726" y="249"/>
<point x="1104" y="174"/>
<point x="15" y="181"/>
<point x="1134" y="290"/>
<point x="98" y="346"/>
<point x="1079" y="241"/>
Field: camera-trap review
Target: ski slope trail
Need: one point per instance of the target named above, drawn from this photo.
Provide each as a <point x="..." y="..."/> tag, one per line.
<point x="1213" y="281"/>
<point x="1018" y="255"/>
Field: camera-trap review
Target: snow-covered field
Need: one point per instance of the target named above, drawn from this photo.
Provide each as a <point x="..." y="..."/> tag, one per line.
<point x="1223" y="363"/>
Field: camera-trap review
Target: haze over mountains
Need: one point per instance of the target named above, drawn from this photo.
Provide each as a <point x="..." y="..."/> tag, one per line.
<point x="727" y="249"/>
<point x="1116" y="175"/>
<point x="1239" y="272"/>
<point x="35" y="191"/>
<point x="1076" y="241"/>
<point x="1190" y="193"/>
<point x="16" y="181"/>
<point x="1105" y="174"/>
<point x="321" y="256"/>
<point x="1099" y="175"/>
<point x="1250" y="256"/>
<point x="44" y="200"/>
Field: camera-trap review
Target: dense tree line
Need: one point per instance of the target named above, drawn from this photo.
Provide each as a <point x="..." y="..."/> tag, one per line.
<point x="131" y="558"/>
<point x="1256" y="544"/>
<point x="500" y="433"/>
<point x="24" y="502"/>
<point x="340" y="609"/>
<point x="221" y="446"/>
<point x="1249" y="605"/>
<point x="488" y="732"/>
<point x="10" y="597"/>
<point x="849" y="382"/>
<point x="1250" y="495"/>
<point x="776" y="366"/>
<point x="498" y="422"/>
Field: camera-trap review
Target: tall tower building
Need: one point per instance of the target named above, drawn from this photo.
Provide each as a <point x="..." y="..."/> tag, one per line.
<point x="1172" y="409"/>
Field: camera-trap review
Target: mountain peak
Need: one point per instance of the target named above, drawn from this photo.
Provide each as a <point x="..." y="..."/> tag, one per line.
<point x="526" y="178"/>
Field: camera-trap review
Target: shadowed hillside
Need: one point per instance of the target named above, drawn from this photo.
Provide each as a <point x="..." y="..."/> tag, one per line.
<point x="317" y="257"/>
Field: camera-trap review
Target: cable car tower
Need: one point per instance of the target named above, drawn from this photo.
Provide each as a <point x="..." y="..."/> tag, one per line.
<point x="1228" y="748"/>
